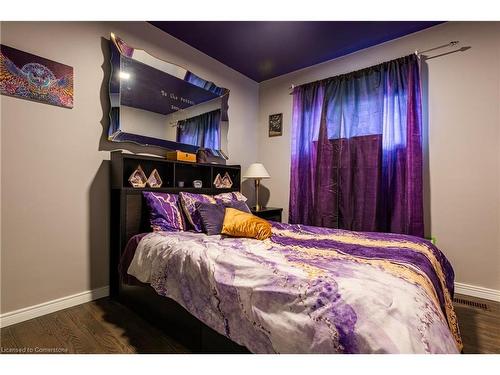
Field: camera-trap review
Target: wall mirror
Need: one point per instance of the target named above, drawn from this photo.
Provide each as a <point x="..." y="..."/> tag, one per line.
<point x="157" y="103"/>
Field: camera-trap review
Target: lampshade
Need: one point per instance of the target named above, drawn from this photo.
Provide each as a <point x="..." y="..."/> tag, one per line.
<point x="256" y="170"/>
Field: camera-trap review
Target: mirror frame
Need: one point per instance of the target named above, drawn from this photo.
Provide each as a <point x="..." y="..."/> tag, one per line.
<point x="119" y="48"/>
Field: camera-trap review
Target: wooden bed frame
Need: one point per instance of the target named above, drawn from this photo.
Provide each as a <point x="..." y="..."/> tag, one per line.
<point x="128" y="218"/>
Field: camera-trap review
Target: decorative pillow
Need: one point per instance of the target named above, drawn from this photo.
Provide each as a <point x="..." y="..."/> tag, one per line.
<point x="188" y="203"/>
<point x="212" y="215"/>
<point x="239" y="197"/>
<point x="164" y="211"/>
<point x="239" y="205"/>
<point x="241" y="224"/>
<point x="230" y="197"/>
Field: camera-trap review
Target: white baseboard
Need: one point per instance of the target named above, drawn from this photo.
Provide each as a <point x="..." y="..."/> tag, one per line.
<point x="477" y="291"/>
<point x="35" y="311"/>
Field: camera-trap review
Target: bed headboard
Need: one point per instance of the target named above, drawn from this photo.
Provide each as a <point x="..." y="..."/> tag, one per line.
<point x="128" y="214"/>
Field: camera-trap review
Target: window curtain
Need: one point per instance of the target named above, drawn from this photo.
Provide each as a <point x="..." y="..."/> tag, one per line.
<point x="202" y="130"/>
<point x="356" y="150"/>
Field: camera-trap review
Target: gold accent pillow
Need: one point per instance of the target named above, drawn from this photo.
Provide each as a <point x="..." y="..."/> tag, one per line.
<point x="241" y="224"/>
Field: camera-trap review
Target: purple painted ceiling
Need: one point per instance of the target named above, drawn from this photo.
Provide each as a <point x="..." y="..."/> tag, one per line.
<point x="266" y="49"/>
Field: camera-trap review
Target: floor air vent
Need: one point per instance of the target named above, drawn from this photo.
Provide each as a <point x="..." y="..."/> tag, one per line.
<point x="471" y="303"/>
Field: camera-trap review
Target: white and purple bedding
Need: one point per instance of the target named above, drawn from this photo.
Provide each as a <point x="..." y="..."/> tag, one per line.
<point x="308" y="289"/>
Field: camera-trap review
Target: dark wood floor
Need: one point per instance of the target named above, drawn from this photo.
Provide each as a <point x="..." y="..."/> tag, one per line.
<point x="101" y="326"/>
<point x="106" y="326"/>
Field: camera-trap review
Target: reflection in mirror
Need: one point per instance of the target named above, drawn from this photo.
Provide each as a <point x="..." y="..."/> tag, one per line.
<point x="154" y="102"/>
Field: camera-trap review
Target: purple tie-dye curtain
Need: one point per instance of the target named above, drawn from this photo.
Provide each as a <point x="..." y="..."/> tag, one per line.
<point x="356" y="150"/>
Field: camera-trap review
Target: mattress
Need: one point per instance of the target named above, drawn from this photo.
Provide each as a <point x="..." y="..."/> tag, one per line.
<point x="308" y="289"/>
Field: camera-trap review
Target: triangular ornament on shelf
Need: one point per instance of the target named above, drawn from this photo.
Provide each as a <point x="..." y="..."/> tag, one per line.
<point x="154" y="179"/>
<point x="218" y="181"/>
<point x="226" y="181"/>
<point x="138" y="179"/>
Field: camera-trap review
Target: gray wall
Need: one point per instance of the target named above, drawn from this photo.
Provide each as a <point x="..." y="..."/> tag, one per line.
<point x="463" y="158"/>
<point x="55" y="161"/>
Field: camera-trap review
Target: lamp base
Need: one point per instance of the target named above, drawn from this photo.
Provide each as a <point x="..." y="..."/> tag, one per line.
<point x="257" y="209"/>
<point x="257" y="186"/>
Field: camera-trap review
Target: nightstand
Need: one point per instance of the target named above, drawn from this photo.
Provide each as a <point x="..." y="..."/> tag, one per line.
<point x="268" y="213"/>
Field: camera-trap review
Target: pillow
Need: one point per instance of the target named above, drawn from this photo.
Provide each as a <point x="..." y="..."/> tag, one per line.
<point x="212" y="215"/>
<point x="164" y="211"/>
<point x="239" y="197"/>
<point x="239" y="205"/>
<point x="230" y="197"/>
<point x="241" y="224"/>
<point x="188" y="201"/>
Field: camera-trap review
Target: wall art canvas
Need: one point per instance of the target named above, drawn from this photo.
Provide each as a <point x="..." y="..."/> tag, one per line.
<point x="276" y="125"/>
<point x="32" y="77"/>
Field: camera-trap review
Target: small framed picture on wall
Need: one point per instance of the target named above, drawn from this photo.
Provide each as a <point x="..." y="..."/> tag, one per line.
<point x="276" y="125"/>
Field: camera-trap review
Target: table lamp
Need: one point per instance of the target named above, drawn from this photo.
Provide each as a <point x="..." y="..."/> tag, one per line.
<point x="257" y="172"/>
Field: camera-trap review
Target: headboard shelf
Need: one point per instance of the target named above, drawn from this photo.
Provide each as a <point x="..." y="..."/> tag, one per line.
<point x="128" y="216"/>
<point x="120" y="154"/>
<point x="171" y="172"/>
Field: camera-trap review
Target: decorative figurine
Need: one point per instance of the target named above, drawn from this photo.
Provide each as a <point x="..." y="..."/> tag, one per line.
<point x="154" y="179"/>
<point x="138" y="179"/>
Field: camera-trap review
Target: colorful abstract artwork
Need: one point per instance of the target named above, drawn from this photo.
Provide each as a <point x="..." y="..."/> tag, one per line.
<point x="32" y="77"/>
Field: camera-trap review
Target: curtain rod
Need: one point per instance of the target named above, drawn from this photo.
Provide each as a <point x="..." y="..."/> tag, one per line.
<point x="450" y="44"/>
<point x="417" y="53"/>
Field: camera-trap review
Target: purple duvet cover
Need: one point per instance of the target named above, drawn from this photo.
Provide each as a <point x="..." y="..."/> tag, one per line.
<point x="308" y="289"/>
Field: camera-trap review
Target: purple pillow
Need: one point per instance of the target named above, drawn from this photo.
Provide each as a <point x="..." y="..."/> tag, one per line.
<point x="212" y="215"/>
<point x="230" y="197"/>
<point x="188" y="204"/>
<point x="164" y="211"/>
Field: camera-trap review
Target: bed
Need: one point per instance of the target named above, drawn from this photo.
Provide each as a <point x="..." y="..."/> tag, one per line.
<point x="303" y="290"/>
<point x="306" y="289"/>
